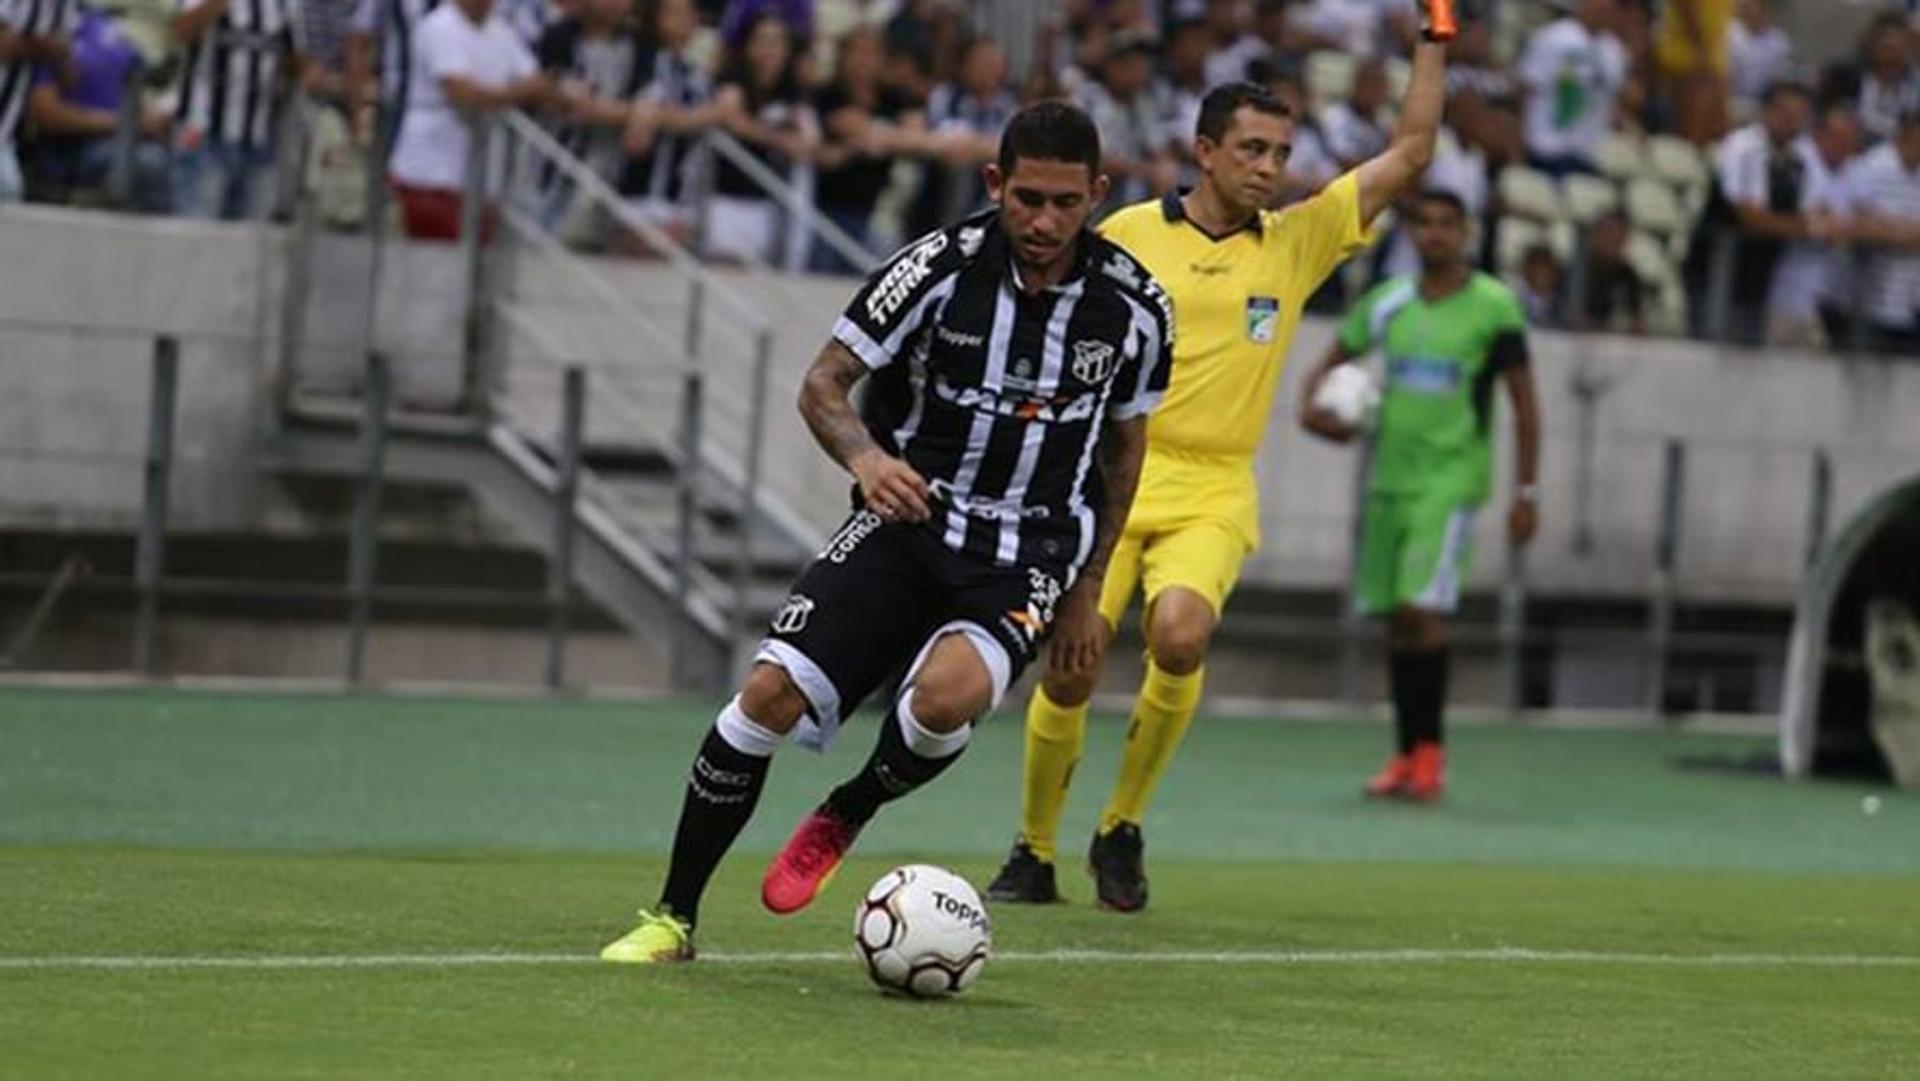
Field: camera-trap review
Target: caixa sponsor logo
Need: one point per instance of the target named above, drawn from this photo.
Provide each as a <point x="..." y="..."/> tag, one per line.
<point x="960" y="910"/>
<point x="902" y="277"/>
<point x="1064" y="409"/>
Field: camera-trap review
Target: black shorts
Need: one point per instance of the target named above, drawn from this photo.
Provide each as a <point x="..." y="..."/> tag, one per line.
<point x="878" y="595"/>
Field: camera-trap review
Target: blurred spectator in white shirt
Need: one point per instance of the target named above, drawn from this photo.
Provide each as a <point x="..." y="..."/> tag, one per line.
<point x="1353" y="127"/>
<point x="467" y="64"/>
<point x="1132" y="144"/>
<point x="964" y="118"/>
<point x="1182" y="90"/>
<point x="1883" y="193"/>
<point x="1759" y="52"/>
<point x="1811" y="270"/>
<point x="1233" y="47"/>
<point x="1359" y="27"/>
<point x="1311" y="166"/>
<point x="675" y="104"/>
<point x="1573" y="70"/>
<point x="1755" y="207"/>
<point x="1882" y="79"/>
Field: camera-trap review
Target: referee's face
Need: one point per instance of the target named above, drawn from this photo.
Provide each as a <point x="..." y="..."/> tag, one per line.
<point x="1043" y="206"/>
<point x="1245" y="167"/>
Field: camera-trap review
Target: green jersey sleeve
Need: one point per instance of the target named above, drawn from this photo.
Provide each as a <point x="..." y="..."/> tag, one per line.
<point x="1356" y="330"/>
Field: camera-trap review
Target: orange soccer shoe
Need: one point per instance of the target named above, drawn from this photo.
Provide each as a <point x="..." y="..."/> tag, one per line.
<point x="1391" y="781"/>
<point x="807" y="863"/>
<point x="1429" y="774"/>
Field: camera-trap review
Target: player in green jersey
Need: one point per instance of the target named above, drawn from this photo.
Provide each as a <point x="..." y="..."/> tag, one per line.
<point x="1448" y="336"/>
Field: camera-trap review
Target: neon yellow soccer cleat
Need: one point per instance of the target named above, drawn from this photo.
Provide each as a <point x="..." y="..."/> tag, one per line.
<point x="661" y="939"/>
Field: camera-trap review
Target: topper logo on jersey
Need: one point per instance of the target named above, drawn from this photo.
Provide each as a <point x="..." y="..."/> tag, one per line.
<point x="970" y="239"/>
<point x="793" y="615"/>
<point x="903" y="277"/>
<point x="1093" y="361"/>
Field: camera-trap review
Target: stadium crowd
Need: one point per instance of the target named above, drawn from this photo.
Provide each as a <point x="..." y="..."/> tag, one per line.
<point x="1634" y="165"/>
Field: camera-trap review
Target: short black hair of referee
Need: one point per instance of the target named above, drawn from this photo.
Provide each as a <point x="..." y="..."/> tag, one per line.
<point x="1241" y="144"/>
<point x="1048" y="182"/>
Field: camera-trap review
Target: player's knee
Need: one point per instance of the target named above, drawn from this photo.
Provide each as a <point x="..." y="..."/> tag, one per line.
<point x="1179" y="646"/>
<point x="1412" y="628"/>
<point x="1069" y="688"/>
<point x="771" y="700"/>
<point x="940" y="706"/>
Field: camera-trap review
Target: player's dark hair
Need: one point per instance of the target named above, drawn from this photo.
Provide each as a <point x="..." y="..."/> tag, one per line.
<point x="1443" y="197"/>
<point x="1218" y="107"/>
<point x="1051" y="131"/>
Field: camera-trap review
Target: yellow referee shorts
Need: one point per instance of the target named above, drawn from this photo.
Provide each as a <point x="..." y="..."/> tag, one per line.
<point x="1193" y="523"/>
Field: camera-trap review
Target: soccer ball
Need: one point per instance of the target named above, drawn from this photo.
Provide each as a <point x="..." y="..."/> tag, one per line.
<point x="1350" y="393"/>
<point x="922" y="930"/>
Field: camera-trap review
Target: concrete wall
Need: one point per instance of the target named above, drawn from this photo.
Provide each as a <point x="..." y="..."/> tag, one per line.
<point x="73" y="412"/>
<point x="1752" y="423"/>
<point x="82" y="296"/>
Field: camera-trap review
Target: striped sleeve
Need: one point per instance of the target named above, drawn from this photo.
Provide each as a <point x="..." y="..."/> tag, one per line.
<point x="897" y="303"/>
<point x="1149" y="365"/>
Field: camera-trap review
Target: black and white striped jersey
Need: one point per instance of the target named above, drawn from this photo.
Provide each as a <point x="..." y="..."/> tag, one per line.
<point x="26" y="18"/>
<point x="669" y="78"/>
<point x="998" y="397"/>
<point x="391" y="24"/>
<point x="233" y="76"/>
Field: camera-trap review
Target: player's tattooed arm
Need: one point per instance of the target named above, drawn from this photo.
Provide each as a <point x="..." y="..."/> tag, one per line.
<point x="890" y="487"/>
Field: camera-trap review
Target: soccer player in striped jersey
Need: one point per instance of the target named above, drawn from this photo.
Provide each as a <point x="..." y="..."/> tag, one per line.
<point x="1015" y="356"/>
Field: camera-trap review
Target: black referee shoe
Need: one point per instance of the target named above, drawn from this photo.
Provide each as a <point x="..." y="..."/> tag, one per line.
<point x="1025" y="879"/>
<point x="1117" y="860"/>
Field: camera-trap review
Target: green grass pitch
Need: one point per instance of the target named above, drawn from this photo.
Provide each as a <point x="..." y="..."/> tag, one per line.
<point x="202" y="885"/>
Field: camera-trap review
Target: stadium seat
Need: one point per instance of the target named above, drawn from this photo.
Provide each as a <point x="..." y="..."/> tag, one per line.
<point x="1648" y="257"/>
<point x="1621" y="158"/>
<point x="1653" y="207"/>
<point x="1330" y="75"/>
<point x="1516" y="235"/>
<point x="1677" y="161"/>
<point x="1564" y="237"/>
<point x="1530" y="193"/>
<point x="1588" y="197"/>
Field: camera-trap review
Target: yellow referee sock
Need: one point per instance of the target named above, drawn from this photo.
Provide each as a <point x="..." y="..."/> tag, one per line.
<point x="1055" y="736"/>
<point x="1160" y="717"/>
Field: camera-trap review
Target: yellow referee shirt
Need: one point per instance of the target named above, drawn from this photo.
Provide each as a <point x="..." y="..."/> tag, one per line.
<point x="1236" y="303"/>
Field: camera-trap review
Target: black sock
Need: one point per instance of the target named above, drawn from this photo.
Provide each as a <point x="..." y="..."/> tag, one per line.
<point x="1419" y="679"/>
<point x="892" y="771"/>
<point x="722" y="789"/>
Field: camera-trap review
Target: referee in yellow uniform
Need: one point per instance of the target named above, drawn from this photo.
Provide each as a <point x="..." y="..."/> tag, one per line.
<point x="1238" y="275"/>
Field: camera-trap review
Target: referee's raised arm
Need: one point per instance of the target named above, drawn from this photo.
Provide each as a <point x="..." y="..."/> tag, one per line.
<point x="1384" y="179"/>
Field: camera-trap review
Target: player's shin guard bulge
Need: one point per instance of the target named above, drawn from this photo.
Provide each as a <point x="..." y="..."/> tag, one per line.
<point x="723" y="787"/>
<point x="1055" y="737"/>
<point x="1161" y="717"/>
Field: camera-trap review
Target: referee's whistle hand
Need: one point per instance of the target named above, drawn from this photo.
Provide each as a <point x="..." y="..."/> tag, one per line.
<point x="891" y="487"/>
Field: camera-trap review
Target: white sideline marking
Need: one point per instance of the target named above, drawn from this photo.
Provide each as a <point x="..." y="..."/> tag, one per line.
<point x="1500" y="955"/>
